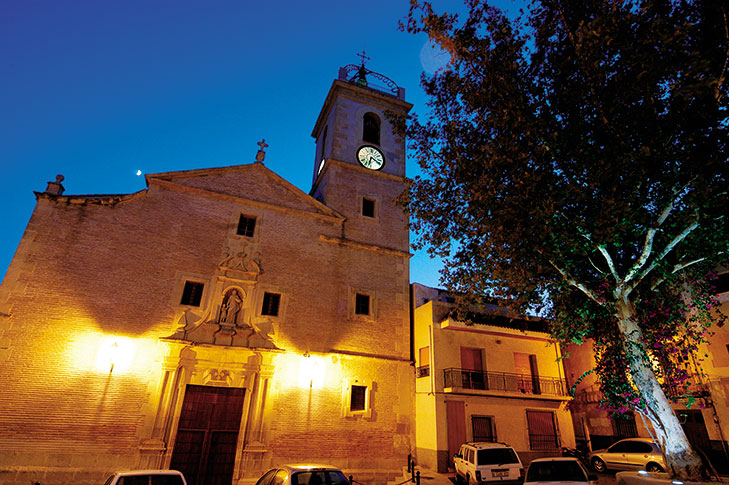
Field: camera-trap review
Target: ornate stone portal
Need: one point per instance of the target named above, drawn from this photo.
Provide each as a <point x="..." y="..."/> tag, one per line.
<point x="200" y="354"/>
<point x="228" y="318"/>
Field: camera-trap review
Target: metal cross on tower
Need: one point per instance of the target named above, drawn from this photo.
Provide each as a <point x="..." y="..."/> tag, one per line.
<point x="364" y="57"/>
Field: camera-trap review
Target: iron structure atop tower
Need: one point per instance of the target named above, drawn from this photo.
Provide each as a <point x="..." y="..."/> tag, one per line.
<point x="361" y="76"/>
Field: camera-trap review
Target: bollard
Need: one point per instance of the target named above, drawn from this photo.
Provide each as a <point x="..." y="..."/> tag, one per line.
<point x="410" y="459"/>
<point x="417" y="478"/>
<point x="351" y="479"/>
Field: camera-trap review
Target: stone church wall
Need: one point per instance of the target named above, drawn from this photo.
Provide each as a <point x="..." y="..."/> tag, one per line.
<point x="88" y="276"/>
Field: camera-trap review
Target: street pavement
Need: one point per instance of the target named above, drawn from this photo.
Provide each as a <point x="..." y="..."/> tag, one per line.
<point x="428" y="477"/>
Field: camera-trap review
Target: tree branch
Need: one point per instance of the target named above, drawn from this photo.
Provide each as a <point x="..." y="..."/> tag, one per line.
<point x="649" y="237"/>
<point x="722" y="76"/>
<point x="669" y="247"/>
<point x="680" y="267"/>
<point x="609" y="259"/>
<point x="573" y="282"/>
<point x="573" y="41"/>
<point x="592" y="263"/>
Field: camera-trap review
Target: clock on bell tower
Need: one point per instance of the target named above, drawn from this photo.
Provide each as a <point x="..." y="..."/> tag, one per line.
<point x="359" y="167"/>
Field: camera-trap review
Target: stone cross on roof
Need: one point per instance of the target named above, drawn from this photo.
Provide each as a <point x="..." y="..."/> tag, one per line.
<point x="261" y="151"/>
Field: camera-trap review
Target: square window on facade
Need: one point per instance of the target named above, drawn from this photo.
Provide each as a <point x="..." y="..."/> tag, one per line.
<point x="368" y="207"/>
<point x="624" y="426"/>
<point x="361" y="304"/>
<point x="246" y="226"/>
<point x="424" y="358"/>
<point x="271" y="302"/>
<point x="483" y="428"/>
<point x="358" y="399"/>
<point x="192" y="293"/>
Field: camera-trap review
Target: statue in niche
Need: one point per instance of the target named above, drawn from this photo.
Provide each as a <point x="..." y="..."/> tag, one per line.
<point x="231" y="307"/>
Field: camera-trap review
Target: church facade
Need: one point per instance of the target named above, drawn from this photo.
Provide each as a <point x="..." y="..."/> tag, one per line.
<point x="221" y="320"/>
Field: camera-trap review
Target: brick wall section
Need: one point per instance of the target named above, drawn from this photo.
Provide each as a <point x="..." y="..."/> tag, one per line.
<point x="85" y="270"/>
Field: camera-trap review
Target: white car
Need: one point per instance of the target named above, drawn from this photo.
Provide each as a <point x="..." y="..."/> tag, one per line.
<point x="562" y="470"/>
<point x="303" y="475"/>
<point x="147" y="477"/>
<point x="488" y="463"/>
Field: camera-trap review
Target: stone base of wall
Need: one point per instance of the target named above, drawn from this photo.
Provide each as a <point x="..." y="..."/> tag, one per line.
<point x="436" y="460"/>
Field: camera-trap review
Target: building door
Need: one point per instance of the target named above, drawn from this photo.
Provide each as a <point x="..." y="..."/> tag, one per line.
<point x="525" y="366"/>
<point x="456" y="419"/>
<point x="207" y="434"/>
<point x="472" y="368"/>
<point x="692" y="422"/>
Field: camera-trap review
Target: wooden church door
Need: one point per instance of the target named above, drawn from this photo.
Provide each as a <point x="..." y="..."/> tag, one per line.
<point x="207" y="434"/>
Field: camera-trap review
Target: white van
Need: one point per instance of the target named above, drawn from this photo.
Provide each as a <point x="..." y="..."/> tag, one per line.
<point x="147" y="477"/>
<point x="488" y="463"/>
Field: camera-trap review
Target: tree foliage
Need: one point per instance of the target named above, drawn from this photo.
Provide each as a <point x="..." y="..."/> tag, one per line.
<point x="575" y="161"/>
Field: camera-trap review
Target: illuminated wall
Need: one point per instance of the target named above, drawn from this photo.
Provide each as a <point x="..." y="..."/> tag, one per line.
<point x="506" y="408"/>
<point x="98" y="343"/>
<point x="94" y="290"/>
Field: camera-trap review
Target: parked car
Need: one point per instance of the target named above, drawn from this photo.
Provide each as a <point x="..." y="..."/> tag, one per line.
<point x="147" y="477"/>
<point x="629" y="454"/>
<point x="488" y="463"/>
<point x="563" y="470"/>
<point x="303" y="475"/>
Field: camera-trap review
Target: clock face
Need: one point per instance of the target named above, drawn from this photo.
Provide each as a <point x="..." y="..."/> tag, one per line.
<point x="370" y="157"/>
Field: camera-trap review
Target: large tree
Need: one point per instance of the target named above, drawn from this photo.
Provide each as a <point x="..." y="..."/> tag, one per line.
<point x="575" y="158"/>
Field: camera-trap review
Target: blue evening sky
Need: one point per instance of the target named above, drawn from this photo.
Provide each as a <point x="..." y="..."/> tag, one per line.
<point x="99" y="89"/>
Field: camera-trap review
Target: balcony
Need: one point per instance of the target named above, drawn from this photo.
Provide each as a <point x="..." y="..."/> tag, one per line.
<point x="502" y="382"/>
<point x="694" y="388"/>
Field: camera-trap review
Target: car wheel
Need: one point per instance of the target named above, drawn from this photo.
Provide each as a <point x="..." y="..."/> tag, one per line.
<point x="654" y="468"/>
<point x="598" y="465"/>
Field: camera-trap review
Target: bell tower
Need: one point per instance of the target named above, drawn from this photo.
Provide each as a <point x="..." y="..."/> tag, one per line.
<point x="359" y="165"/>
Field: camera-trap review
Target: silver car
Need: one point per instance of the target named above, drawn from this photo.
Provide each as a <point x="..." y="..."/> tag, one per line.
<point x="629" y="454"/>
<point x="303" y="475"/>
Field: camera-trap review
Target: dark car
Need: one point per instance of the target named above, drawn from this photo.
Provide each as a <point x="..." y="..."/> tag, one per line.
<point x="562" y="470"/>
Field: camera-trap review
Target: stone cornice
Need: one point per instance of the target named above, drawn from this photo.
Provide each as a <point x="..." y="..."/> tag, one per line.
<point x="92" y="199"/>
<point x="365" y="246"/>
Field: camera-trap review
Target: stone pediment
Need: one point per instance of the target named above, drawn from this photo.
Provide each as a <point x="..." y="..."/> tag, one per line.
<point x="252" y="182"/>
<point x="197" y="329"/>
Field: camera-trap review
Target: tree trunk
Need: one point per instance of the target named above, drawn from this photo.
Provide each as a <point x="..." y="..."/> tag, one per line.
<point x="683" y="462"/>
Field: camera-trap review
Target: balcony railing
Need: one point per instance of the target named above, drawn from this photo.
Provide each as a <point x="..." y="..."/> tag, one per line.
<point x="694" y="388"/>
<point x="504" y="382"/>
